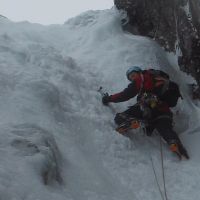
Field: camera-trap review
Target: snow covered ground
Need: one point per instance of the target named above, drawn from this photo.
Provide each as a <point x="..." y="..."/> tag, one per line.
<point x="57" y="141"/>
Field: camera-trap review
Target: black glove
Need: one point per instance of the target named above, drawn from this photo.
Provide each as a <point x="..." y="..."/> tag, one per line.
<point x="105" y="99"/>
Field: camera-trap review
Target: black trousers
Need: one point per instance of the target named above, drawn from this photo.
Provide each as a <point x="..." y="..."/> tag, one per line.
<point x="161" y="121"/>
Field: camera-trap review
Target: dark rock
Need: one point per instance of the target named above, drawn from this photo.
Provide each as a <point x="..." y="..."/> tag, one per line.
<point x="174" y="24"/>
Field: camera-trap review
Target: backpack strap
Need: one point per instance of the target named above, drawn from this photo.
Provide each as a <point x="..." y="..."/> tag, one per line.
<point x="158" y="81"/>
<point x="159" y="78"/>
<point x="142" y="83"/>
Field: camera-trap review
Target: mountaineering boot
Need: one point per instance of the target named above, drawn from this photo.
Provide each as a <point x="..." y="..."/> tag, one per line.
<point x="178" y="149"/>
<point x="129" y="124"/>
<point x="173" y="147"/>
<point x="183" y="151"/>
<point x="121" y="118"/>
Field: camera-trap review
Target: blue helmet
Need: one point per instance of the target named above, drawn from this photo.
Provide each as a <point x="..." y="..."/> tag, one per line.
<point x="132" y="69"/>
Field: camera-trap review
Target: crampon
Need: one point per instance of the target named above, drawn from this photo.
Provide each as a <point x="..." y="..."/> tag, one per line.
<point x="129" y="124"/>
<point x="179" y="150"/>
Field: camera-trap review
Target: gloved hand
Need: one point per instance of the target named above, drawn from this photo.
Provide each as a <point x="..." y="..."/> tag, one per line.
<point x="105" y="99"/>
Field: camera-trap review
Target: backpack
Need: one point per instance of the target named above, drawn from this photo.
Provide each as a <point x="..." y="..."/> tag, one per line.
<point x="166" y="90"/>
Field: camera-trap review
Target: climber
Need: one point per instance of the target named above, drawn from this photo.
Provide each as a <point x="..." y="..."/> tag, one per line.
<point x="156" y="93"/>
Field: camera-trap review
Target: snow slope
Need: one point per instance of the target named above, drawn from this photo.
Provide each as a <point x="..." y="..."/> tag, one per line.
<point x="57" y="141"/>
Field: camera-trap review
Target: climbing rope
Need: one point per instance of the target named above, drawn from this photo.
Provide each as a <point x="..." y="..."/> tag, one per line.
<point x="163" y="171"/>
<point x="164" y="197"/>
<point x="156" y="178"/>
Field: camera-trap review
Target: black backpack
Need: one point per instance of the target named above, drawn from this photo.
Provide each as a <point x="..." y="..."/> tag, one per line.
<point x="171" y="94"/>
<point x="166" y="90"/>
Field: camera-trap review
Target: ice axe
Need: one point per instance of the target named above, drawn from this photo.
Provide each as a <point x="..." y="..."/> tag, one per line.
<point x="100" y="90"/>
<point x="103" y="93"/>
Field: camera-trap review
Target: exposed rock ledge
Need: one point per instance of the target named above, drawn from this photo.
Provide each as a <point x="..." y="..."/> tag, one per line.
<point x="174" y="24"/>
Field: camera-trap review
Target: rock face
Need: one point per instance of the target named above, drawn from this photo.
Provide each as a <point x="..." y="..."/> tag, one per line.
<point x="174" y="24"/>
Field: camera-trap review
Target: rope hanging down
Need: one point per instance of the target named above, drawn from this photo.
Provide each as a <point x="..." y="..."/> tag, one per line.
<point x="163" y="171"/>
<point x="163" y="196"/>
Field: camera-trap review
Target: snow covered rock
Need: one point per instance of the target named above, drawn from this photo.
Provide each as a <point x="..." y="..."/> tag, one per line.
<point x="1" y="16"/>
<point x="31" y="157"/>
<point x="34" y="141"/>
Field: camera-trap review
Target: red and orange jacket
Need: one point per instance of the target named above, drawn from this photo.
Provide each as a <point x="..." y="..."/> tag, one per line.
<point x="145" y="84"/>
